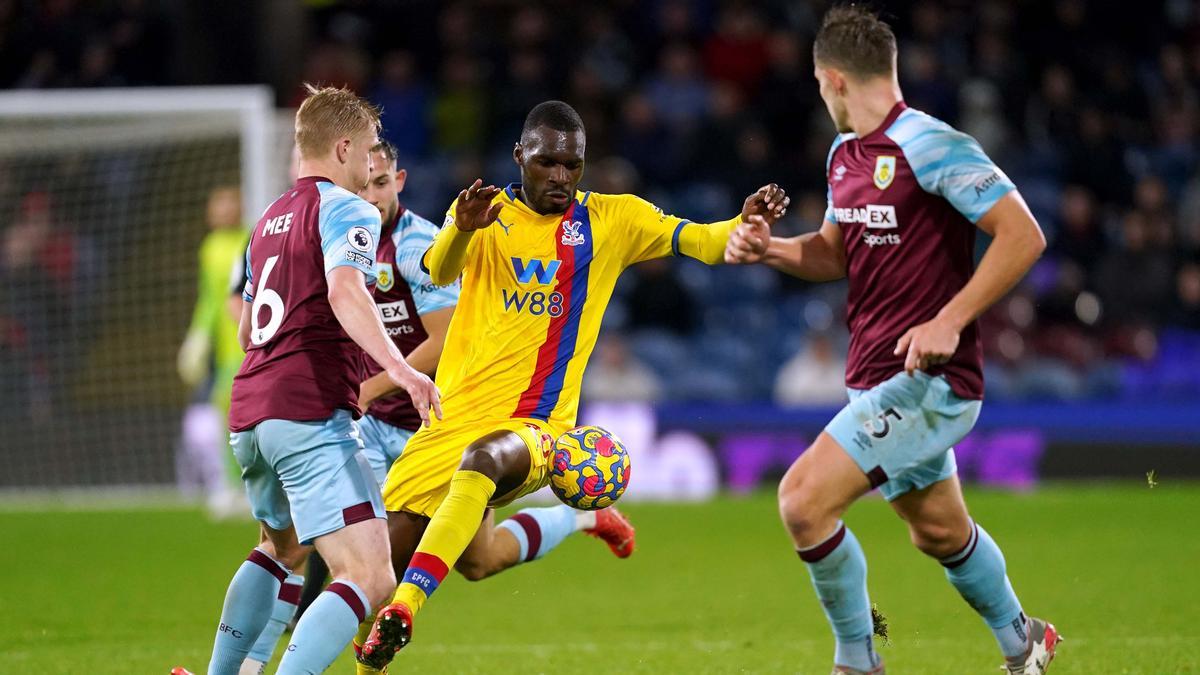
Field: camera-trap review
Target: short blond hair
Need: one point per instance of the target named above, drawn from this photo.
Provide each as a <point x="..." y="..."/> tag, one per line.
<point x="330" y="113"/>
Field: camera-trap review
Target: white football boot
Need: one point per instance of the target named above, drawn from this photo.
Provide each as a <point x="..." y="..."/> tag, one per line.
<point x="1044" y="639"/>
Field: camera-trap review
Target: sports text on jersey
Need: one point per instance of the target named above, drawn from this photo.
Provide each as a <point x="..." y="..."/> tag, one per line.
<point x="872" y="215"/>
<point x="393" y="311"/>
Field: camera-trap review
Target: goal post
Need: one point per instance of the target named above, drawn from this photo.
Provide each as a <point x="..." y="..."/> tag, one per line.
<point x="102" y="208"/>
<point x="253" y="105"/>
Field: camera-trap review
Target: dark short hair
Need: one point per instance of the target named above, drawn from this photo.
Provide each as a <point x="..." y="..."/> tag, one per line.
<point x="553" y="114"/>
<point x="854" y="39"/>
<point x="387" y="149"/>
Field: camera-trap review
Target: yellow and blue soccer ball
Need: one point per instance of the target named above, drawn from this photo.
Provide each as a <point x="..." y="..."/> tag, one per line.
<point x="590" y="469"/>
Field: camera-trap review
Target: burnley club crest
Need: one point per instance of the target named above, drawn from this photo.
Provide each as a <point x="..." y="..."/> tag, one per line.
<point x="384" y="277"/>
<point x="885" y="171"/>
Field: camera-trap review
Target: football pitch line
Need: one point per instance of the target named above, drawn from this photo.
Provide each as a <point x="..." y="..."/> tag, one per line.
<point x="90" y="499"/>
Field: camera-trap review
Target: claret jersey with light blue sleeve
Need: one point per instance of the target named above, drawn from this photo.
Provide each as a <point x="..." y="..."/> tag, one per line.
<point x="907" y="198"/>
<point x="300" y="365"/>
<point x="404" y="293"/>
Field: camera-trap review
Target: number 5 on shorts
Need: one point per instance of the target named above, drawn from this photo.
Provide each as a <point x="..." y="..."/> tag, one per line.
<point x="883" y="426"/>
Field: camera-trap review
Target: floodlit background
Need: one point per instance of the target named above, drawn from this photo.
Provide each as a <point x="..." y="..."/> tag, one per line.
<point x="717" y="378"/>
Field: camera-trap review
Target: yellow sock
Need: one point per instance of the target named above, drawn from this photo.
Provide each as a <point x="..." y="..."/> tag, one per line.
<point x="451" y="529"/>
<point x="364" y="630"/>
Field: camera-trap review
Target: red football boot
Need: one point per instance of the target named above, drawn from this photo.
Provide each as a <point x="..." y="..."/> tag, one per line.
<point x="391" y="632"/>
<point x="615" y="530"/>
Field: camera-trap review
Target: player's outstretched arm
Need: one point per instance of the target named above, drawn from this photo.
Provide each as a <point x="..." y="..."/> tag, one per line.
<point x="1017" y="243"/>
<point x="707" y="242"/>
<point x="355" y="310"/>
<point x="815" y="256"/>
<point x="473" y="210"/>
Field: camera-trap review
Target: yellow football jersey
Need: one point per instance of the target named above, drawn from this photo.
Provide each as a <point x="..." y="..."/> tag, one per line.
<point x="534" y="290"/>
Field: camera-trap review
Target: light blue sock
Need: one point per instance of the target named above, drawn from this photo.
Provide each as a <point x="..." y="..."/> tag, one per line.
<point x="247" y="610"/>
<point x="281" y="615"/>
<point x="839" y="575"/>
<point x="327" y="626"/>
<point x="538" y="531"/>
<point x="978" y="572"/>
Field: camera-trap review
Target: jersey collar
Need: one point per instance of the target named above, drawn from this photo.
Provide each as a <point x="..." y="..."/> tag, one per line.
<point x="389" y="228"/>
<point x="311" y="179"/>
<point x="900" y="107"/>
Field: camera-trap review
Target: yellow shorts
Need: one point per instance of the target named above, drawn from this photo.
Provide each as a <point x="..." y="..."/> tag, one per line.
<point x="420" y="478"/>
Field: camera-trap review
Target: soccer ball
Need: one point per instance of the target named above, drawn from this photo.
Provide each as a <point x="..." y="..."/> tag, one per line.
<point x="590" y="469"/>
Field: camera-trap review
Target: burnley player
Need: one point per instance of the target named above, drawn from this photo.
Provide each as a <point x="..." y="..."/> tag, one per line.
<point x="906" y="193"/>
<point x="306" y="314"/>
<point x="539" y="261"/>
<point x="415" y="314"/>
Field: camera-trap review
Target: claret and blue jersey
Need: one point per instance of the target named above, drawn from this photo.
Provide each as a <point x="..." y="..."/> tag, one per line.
<point x="403" y="293"/>
<point x="300" y="365"/>
<point x="907" y="197"/>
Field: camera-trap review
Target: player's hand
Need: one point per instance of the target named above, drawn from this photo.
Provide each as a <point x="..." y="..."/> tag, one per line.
<point x="367" y="393"/>
<point x="420" y="388"/>
<point x="769" y="201"/>
<point x="929" y="344"/>
<point x="748" y="242"/>
<point x="192" y="361"/>
<point x="475" y="210"/>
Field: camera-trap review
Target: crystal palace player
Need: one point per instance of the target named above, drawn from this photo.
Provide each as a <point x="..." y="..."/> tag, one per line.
<point x="906" y="192"/>
<point x="306" y="306"/>
<point x="539" y="261"/>
<point x="390" y="421"/>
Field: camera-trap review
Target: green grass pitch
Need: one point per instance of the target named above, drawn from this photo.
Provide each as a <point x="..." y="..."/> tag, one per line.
<point x="713" y="588"/>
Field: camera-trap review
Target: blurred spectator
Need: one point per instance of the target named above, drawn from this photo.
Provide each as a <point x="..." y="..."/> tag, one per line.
<point x="1094" y="160"/>
<point x="1079" y="237"/>
<point x="1152" y="202"/>
<point x="659" y="301"/>
<point x="925" y="86"/>
<point x="524" y="87"/>
<point x="336" y="65"/>
<point x="1091" y="108"/>
<point x="1052" y="116"/>
<point x="45" y="269"/>
<point x="405" y="102"/>
<point x="983" y="119"/>
<point x="816" y="375"/>
<point x="613" y="176"/>
<point x="787" y="89"/>
<point x="460" y="106"/>
<point x="96" y="66"/>
<point x="1135" y="279"/>
<point x="615" y="375"/>
<point x="140" y="37"/>
<point x="736" y="52"/>
<point x="1186" y="311"/>
<point x="610" y="54"/>
<point x="644" y="140"/>
<point x="1174" y="155"/>
<point x="677" y="91"/>
<point x="721" y="133"/>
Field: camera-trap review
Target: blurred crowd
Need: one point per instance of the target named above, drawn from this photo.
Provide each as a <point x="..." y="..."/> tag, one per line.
<point x="1092" y="108"/>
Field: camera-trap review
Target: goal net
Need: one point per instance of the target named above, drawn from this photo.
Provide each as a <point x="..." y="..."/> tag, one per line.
<point x="102" y="209"/>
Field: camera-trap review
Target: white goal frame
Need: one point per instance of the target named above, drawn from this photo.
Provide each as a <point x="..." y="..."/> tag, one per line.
<point x="254" y="105"/>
